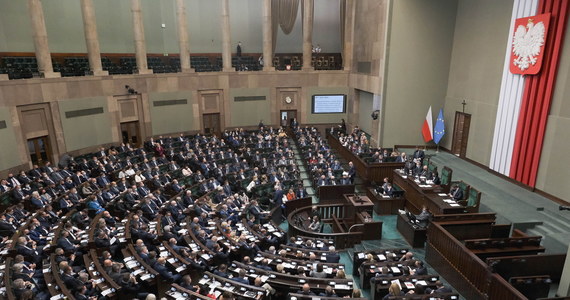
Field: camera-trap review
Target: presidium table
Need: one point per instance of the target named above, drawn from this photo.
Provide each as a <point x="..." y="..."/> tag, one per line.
<point x="419" y="194"/>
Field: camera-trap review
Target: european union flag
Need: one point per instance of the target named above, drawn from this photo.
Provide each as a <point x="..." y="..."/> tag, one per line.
<point x="439" y="129"/>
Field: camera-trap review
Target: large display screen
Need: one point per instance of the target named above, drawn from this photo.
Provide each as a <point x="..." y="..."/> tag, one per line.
<point x="329" y="104"/>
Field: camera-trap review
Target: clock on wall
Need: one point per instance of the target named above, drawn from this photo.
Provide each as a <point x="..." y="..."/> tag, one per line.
<point x="288" y="100"/>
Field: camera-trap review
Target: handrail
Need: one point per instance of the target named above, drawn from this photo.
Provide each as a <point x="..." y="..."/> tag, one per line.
<point x="355" y="225"/>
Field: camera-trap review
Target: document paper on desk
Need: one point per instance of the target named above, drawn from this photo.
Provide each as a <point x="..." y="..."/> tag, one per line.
<point x="396" y="281"/>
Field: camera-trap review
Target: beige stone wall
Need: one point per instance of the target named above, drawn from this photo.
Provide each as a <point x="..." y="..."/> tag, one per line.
<point x="9" y="155"/>
<point x="553" y="171"/>
<point x="85" y="131"/>
<point x="481" y="32"/>
<point x="421" y="37"/>
<point x="173" y="118"/>
<point x="249" y="113"/>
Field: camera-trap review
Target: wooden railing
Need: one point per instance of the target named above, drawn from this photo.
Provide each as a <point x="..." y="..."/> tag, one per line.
<point x="466" y="271"/>
<point x="527" y="265"/>
<point x="499" y="288"/>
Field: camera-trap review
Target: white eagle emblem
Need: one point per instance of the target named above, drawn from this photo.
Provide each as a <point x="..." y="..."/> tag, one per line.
<point x="527" y="43"/>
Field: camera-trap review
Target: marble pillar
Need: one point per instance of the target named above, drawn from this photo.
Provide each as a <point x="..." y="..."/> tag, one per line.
<point x="43" y="55"/>
<point x="307" y="34"/>
<point x="91" y="38"/>
<point x="140" y="44"/>
<point x="183" y="37"/>
<point x="267" y="37"/>
<point x="347" y="52"/>
<point x="226" y="37"/>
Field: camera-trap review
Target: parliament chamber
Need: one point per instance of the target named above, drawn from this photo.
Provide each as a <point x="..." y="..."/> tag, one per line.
<point x="280" y="149"/>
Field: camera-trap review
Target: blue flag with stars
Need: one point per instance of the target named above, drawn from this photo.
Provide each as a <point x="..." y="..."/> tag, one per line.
<point x="439" y="129"/>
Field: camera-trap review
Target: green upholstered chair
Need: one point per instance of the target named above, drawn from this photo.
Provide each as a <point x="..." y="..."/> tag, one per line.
<point x="445" y="178"/>
<point x="473" y="201"/>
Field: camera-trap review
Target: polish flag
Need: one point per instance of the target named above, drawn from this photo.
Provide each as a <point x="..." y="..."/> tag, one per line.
<point x="427" y="128"/>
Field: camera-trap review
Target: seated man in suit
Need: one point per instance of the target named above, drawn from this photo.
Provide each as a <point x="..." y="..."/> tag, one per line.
<point x="29" y="250"/>
<point x="424" y="217"/>
<point x="242" y="277"/>
<point x="306" y="290"/>
<point x="256" y="211"/>
<point x="222" y="271"/>
<point x="389" y="190"/>
<point x="425" y="172"/>
<point x="439" y="289"/>
<point x="384" y="273"/>
<point x="418" y="268"/>
<point x="329" y="292"/>
<point x="456" y="193"/>
<point x="332" y="256"/>
<point x="65" y="243"/>
<point x="160" y="267"/>
<point x="301" y="192"/>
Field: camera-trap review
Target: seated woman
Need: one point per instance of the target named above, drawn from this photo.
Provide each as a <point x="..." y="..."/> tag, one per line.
<point x="291" y="195"/>
<point x="315" y="224"/>
<point x="393" y="290"/>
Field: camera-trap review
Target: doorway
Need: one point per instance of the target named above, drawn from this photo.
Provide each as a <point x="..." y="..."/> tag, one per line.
<point x="288" y="115"/>
<point x="211" y="123"/>
<point x="460" y="133"/>
<point x="130" y="133"/>
<point x="39" y="149"/>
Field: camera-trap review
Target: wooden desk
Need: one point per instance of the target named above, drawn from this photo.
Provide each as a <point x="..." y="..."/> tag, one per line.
<point x="418" y="196"/>
<point x="385" y="205"/>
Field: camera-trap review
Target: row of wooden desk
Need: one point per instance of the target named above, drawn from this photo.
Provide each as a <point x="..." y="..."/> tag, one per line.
<point x="418" y="195"/>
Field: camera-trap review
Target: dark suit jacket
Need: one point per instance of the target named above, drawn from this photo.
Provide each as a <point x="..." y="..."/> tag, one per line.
<point x="332" y="258"/>
<point x="242" y="280"/>
<point x="163" y="271"/>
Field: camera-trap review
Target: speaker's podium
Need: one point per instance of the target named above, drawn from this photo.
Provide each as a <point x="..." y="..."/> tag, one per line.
<point x="361" y="208"/>
<point x="359" y="204"/>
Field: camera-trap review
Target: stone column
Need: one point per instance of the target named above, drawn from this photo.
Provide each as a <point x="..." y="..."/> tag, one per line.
<point x="226" y="37"/>
<point x="183" y="37"/>
<point x="91" y="38"/>
<point x="348" y="35"/>
<point x="307" y="34"/>
<point x="43" y="55"/>
<point x="267" y="37"/>
<point x="138" y="30"/>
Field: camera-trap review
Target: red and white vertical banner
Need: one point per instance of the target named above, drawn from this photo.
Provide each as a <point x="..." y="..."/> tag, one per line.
<point x="529" y="75"/>
<point x="510" y="97"/>
<point x="537" y="96"/>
